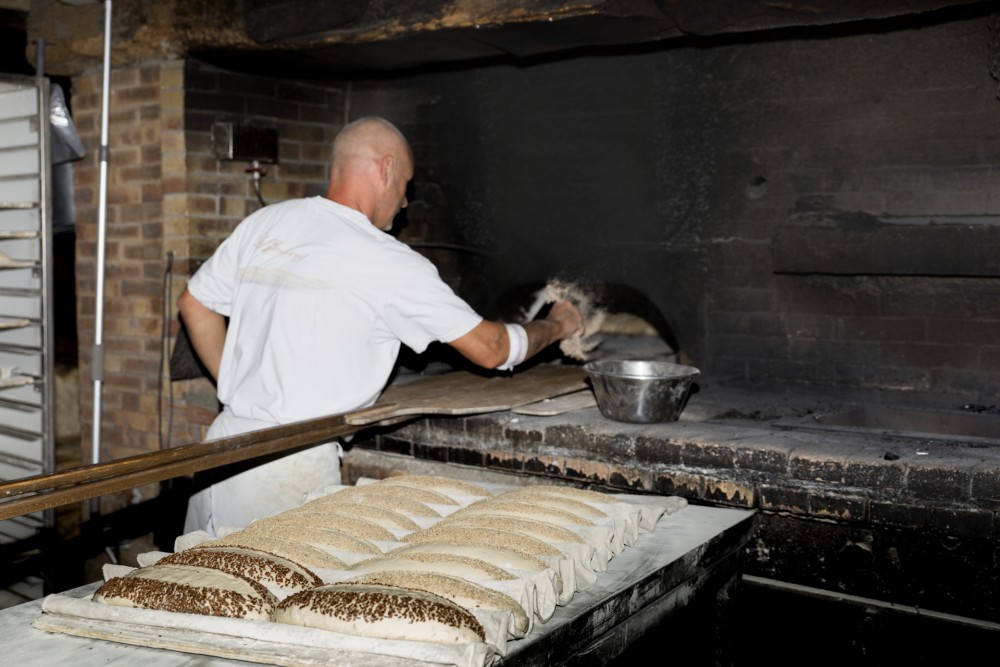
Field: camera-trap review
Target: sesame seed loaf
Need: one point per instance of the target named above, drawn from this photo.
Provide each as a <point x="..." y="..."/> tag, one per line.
<point x="524" y="509"/>
<point x="375" y="498"/>
<point x="567" y="492"/>
<point x="260" y="566"/>
<point x="387" y="518"/>
<point x="426" y="496"/>
<point x="455" y="564"/>
<point x="189" y="589"/>
<point x="503" y="539"/>
<point x="501" y="557"/>
<point x="436" y="483"/>
<point x="298" y="552"/>
<point x="548" y="532"/>
<point x="382" y="612"/>
<point x="468" y="595"/>
<point x="352" y="525"/>
<point x="317" y="537"/>
<point x="542" y="496"/>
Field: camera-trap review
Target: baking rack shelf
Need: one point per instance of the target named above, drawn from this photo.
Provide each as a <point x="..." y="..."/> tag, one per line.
<point x="27" y="424"/>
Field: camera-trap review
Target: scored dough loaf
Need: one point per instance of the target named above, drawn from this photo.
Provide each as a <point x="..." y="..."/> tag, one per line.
<point x="383" y="612"/>
<point x="189" y="589"/>
<point x="260" y="566"/>
<point x="462" y="592"/>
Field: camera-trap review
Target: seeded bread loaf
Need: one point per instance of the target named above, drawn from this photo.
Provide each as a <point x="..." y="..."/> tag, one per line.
<point x="189" y="589"/>
<point x="382" y="612"/>
<point x="260" y="566"/>
<point x="467" y="594"/>
<point x="298" y="552"/>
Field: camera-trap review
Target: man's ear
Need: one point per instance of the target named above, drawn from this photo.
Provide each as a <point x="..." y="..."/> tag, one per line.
<point x="386" y="167"/>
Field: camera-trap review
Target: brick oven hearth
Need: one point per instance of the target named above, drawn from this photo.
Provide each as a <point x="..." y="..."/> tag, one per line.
<point x="906" y="519"/>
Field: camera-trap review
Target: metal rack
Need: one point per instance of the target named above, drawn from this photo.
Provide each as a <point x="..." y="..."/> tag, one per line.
<point x="27" y="422"/>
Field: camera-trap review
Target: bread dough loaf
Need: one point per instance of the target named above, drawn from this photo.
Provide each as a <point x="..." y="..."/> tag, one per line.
<point x="456" y="534"/>
<point x="499" y="505"/>
<point x="318" y="537"/>
<point x="386" y="498"/>
<point x="352" y="525"/>
<point x="542" y="530"/>
<point x="387" y="518"/>
<point x="189" y="589"/>
<point x="467" y="594"/>
<point x="454" y="564"/>
<point x="259" y="566"/>
<point x="298" y="552"/>
<point x="437" y="483"/>
<point x="505" y="558"/>
<point x="426" y="496"/>
<point x="382" y="612"/>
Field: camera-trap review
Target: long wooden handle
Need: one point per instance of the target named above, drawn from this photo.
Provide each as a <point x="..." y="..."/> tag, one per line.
<point x="40" y="492"/>
<point x="140" y="462"/>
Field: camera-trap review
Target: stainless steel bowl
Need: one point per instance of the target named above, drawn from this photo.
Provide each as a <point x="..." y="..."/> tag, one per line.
<point x="641" y="391"/>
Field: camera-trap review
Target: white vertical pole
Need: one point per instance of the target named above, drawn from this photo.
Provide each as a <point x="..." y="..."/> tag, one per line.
<point x="97" y="358"/>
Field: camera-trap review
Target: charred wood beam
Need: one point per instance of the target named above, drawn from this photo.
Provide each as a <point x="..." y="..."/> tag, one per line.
<point x="318" y="33"/>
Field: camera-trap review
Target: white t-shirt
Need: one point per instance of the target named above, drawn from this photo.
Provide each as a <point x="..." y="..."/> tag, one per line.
<point x="319" y="300"/>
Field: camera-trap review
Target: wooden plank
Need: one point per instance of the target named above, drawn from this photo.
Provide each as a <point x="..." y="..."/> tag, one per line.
<point x="465" y="393"/>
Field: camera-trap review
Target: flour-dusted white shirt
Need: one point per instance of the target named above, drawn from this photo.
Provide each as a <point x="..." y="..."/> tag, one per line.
<point x="319" y="300"/>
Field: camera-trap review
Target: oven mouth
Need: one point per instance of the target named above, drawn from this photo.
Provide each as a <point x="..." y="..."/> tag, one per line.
<point x="960" y="427"/>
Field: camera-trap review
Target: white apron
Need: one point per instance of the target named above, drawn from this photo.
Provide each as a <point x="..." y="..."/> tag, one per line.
<point x="262" y="491"/>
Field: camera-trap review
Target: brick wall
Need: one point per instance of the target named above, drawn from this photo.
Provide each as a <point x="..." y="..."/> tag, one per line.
<point x="170" y="203"/>
<point x="145" y="119"/>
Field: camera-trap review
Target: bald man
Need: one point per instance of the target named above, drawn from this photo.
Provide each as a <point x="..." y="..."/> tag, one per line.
<point x="319" y="299"/>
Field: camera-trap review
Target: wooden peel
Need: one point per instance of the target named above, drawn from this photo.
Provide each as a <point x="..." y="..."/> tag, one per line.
<point x="456" y="393"/>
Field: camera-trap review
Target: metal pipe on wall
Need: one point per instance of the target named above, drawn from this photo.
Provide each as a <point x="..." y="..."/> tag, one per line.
<point x="97" y="361"/>
<point x="97" y="356"/>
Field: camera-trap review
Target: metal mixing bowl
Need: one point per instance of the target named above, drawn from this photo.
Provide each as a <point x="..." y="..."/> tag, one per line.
<point x="640" y="391"/>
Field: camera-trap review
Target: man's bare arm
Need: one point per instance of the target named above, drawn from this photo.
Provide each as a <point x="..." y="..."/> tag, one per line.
<point x="488" y="345"/>
<point x="206" y="329"/>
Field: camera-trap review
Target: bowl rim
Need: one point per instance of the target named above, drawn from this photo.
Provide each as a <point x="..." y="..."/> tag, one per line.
<point x="684" y="370"/>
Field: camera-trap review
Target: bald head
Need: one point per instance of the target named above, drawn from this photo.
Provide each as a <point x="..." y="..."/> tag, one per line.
<point x="369" y="137"/>
<point x="372" y="163"/>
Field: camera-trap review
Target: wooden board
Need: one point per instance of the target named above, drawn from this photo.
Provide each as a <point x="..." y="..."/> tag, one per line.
<point x="559" y="405"/>
<point x="463" y="393"/>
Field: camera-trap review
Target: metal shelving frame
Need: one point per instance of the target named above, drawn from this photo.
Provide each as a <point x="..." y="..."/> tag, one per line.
<point x="27" y="381"/>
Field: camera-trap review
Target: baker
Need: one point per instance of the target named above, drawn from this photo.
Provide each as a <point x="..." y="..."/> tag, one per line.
<point x="318" y="299"/>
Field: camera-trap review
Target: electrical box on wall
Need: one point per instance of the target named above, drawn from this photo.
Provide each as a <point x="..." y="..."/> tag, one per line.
<point x="245" y="143"/>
